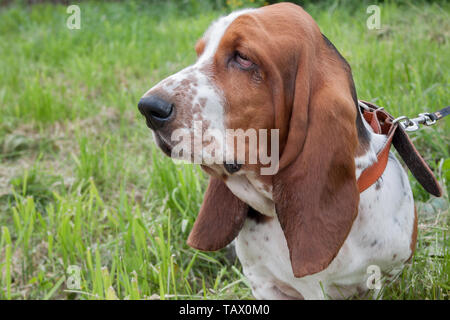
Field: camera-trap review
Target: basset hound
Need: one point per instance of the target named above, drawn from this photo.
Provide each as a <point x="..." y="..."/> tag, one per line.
<point x="305" y="231"/>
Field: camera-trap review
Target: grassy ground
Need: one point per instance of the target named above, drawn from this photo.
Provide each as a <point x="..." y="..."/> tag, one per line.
<point x="82" y="184"/>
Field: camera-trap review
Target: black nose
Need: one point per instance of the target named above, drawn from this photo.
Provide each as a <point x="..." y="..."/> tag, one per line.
<point x="156" y="111"/>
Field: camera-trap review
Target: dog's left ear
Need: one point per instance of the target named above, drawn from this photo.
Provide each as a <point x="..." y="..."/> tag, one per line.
<point x="220" y="219"/>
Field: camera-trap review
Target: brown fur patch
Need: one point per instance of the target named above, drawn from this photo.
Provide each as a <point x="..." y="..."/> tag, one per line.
<point x="200" y="47"/>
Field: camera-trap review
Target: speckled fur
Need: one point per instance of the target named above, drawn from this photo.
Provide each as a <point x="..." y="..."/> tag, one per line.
<point x="380" y="235"/>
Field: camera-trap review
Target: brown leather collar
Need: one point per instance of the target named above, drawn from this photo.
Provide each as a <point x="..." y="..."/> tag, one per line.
<point x="382" y="123"/>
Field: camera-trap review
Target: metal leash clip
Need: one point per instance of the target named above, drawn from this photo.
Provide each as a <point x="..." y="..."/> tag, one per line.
<point x="407" y="124"/>
<point x="428" y="120"/>
<point x="413" y="124"/>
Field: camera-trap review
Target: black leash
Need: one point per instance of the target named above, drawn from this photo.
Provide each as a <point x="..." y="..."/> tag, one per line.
<point x="438" y="115"/>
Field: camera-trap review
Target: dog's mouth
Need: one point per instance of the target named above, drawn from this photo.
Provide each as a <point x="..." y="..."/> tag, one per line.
<point x="257" y="216"/>
<point x="167" y="148"/>
<point x="232" y="167"/>
<point x="162" y="144"/>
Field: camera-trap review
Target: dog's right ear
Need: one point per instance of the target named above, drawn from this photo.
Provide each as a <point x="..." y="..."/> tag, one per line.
<point x="220" y="219"/>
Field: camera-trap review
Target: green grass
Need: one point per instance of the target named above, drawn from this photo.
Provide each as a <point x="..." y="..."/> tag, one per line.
<point x="81" y="182"/>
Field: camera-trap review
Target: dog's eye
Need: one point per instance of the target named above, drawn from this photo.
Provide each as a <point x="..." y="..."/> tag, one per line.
<point x="243" y="62"/>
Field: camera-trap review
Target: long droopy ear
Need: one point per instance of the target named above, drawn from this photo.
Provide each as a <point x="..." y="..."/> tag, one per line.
<point x="315" y="192"/>
<point x="220" y="219"/>
<point x="316" y="196"/>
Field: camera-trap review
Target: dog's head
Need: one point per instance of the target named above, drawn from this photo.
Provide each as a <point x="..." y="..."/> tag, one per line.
<point x="267" y="69"/>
